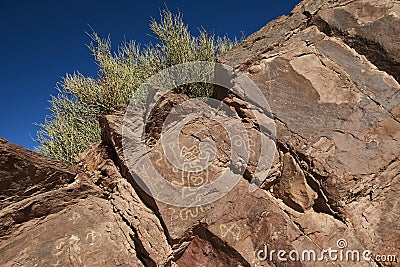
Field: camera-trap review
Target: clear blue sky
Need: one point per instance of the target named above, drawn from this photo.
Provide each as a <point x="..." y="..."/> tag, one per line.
<point x="41" y="41"/>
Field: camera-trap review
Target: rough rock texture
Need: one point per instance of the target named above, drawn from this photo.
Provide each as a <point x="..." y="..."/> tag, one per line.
<point x="330" y="72"/>
<point x="25" y="174"/>
<point x="71" y="224"/>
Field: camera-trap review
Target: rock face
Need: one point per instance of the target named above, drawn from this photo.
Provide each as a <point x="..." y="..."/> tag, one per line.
<point x="333" y="86"/>
<point x="66" y="220"/>
<point x="24" y="174"/>
<point x="330" y="72"/>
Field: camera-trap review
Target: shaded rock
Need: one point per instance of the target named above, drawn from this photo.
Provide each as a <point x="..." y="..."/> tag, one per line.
<point x="25" y="214"/>
<point x="148" y="235"/>
<point x="292" y="187"/>
<point x="70" y="224"/>
<point x="357" y="23"/>
<point x="158" y="111"/>
<point x="24" y="173"/>
<point x="202" y="252"/>
<point x="85" y="234"/>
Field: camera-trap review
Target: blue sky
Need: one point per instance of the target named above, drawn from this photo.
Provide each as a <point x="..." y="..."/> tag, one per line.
<point x="41" y="41"/>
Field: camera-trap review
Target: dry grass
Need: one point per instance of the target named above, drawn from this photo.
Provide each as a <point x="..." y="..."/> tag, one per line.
<point x="73" y="123"/>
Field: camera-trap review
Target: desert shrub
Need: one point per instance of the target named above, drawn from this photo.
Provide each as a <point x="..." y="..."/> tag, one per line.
<point x="73" y="121"/>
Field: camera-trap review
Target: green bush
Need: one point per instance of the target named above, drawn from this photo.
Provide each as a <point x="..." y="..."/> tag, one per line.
<point x="73" y="122"/>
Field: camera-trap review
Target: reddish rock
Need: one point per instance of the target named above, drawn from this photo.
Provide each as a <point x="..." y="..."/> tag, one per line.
<point x="329" y="71"/>
<point x="202" y="252"/>
<point x="24" y="173"/>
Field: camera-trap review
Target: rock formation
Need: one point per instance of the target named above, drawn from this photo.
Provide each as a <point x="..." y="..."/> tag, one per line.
<point x="330" y="71"/>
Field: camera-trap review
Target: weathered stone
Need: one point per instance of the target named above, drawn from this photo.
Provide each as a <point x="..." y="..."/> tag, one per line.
<point x="330" y="72"/>
<point x="64" y="222"/>
<point x="332" y="84"/>
<point x="87" y="233"/>
<point x="149" y="234"/>
<point x="292" y="187"/>
<point x="202" y="252"/>
<point x="22" y="215"/>
<point x="24" y="173"/>
<point x="245" y="220"/>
